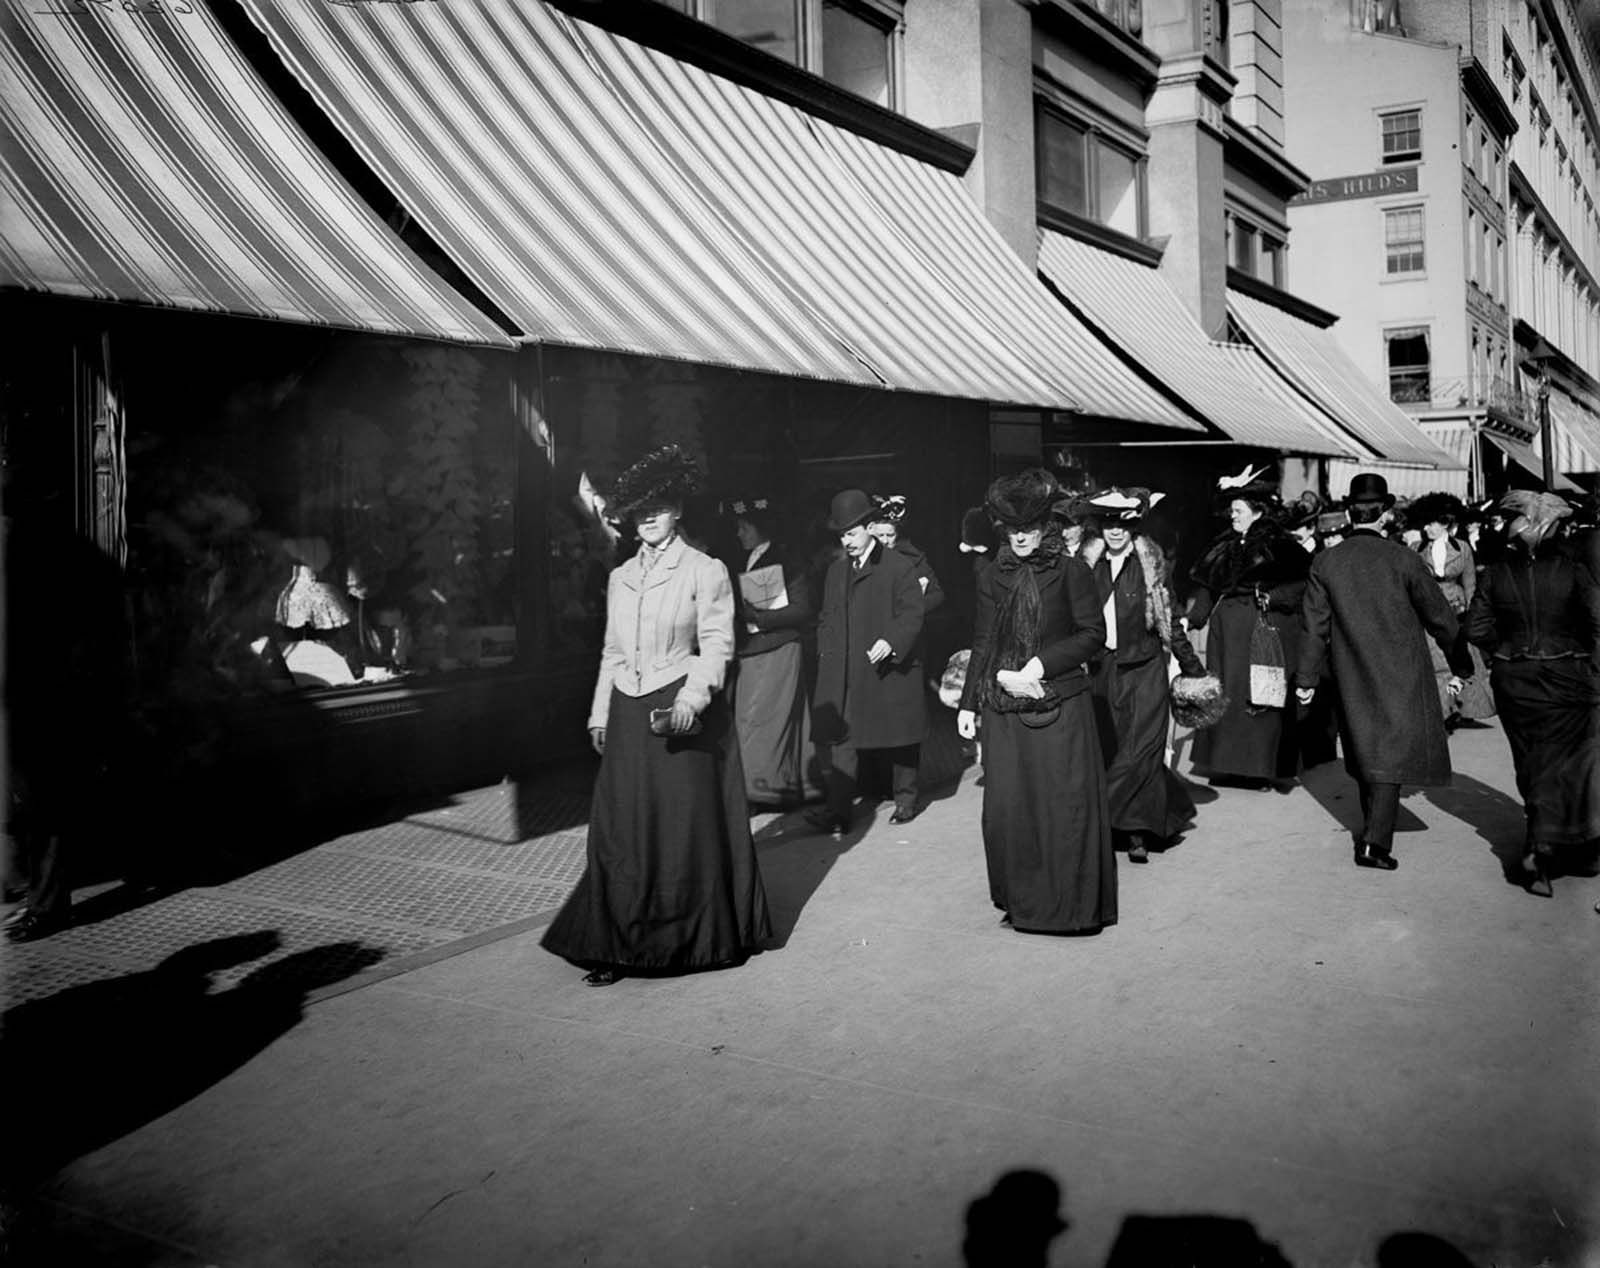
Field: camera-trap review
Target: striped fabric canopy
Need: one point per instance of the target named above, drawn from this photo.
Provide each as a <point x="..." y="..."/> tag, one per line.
<point x="1312" y="360"/>
<point x="143" y="160"/>
<point x="1575" y="434"/>
<point x="608" y="196"/>
<point x="1229" y="385"/>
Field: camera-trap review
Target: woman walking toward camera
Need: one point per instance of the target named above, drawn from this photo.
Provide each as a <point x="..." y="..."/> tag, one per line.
<point x="1536" y="615"/>
<point x="672" y="882"/>
<point x="1046" y="824"/>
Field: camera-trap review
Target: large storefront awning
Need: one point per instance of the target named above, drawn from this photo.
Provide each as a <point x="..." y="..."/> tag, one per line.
<point x="1525" y="457"/>
<point x="1575" y="435"/>
<point x="1312" y="360"/>
<point x="608" y="196"/>
<point x="1227" y="384"/>
<point x="143" y="160"/>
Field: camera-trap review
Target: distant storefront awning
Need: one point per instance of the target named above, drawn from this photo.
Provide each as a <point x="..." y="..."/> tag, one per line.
<point x="1312" y="360"/>
<point x="1229" y="385"/>
<point x="1454" y="436"/>
<point x="1575" y="433"/>
<point x="143" y="160"/>
<point x="1526" y="458"/>
<point x="608" y="196"/>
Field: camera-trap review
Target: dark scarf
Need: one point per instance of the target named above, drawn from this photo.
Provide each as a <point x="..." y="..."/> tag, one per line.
<point x="1014" y="640"/>
<point x="1259" y="558"/>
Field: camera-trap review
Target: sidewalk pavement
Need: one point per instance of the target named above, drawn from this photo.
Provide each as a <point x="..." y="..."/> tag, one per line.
<point x="1299" y="1051"/>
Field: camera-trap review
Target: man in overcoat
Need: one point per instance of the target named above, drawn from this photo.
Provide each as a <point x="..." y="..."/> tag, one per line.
<point x="1368" y="602"/>
<point x="869" y="697"/>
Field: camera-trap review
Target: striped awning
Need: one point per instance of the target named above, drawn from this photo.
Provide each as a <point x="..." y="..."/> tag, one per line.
<point x="1313" y="361"/>
<point x="1525" y="457"/>
<point x="1229" y="385"/>
<point x="1454" y="436"/>
<point x="143" y="160"/>
<point x="1575" y="434"/>
<point x="608" y="196"/>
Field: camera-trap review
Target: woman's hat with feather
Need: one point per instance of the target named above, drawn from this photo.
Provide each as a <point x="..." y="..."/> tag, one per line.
<point x="663" y="477"/>
<point x="1250" y="485"/>
<point x="1023" y="500"/>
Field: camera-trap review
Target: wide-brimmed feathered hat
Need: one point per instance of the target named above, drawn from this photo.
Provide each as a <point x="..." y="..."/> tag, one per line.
<point x="1122" y="505"/>
<point x="891" y="508"/>
<point x="1252" y="484"/>
<point x="1436" y="508"/>
<point x="977" y="532"/>
<point x="663" y="477"/>
<point x="1018" y="501"/>
<point x="1304" y="511"/>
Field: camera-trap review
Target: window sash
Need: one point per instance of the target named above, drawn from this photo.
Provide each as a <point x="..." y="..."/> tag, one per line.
<point x="1402" y="136"/>
<point x="1403" y="240"/>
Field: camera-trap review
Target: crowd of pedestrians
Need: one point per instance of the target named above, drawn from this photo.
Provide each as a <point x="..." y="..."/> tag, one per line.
<point x="1386" y="626"/>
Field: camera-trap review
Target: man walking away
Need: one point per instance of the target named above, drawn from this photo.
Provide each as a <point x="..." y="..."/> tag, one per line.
<point x="1368" y="601"/>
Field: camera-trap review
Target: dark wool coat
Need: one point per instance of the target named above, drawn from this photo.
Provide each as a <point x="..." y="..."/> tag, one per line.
<point x="932" y="591"/>
<point x="870" y="706"/>
<point x="1072" y="629"/>
<point x="1368" y="602"/>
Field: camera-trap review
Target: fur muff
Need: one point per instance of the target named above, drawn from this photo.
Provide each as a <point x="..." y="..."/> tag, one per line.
<point x="1198" y="702"/>
<point x="663" y="477"/>
<point x="954" y="679"/>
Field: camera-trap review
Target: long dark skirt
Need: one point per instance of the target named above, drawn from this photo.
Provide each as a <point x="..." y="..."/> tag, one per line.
<point x="1476" y="700"/>
<point x="1046" y="827"/>
<point x="672" y="880"/>
<point x="772" y="718"/>
<point x="1132" y="711"/>
<point x="1258" y="744"/>
<point x="1550" y="710"/>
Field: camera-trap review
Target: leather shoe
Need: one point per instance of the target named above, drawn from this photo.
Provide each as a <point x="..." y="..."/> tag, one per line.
<point x="904" y="814"/>
<point x="1369" y="855"/>
<point x="601" y="977"/>
<point x="33" y="925"/>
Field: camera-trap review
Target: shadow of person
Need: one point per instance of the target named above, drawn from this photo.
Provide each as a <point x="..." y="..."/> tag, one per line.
<point x="1335" y="791"/>
<point x="795" y="859"/>
<point x="1191" y="1241"/>
<point x="89" y="1064"/>
<point x="1013" y="1225"/>
<point x="1419" y="1250"/>
<point x="1497" y="818"/>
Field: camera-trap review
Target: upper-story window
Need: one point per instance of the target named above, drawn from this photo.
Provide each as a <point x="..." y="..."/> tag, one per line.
<point x="1256" y="249"/>
<point x="1084" y="171"/>
<point x="1403" y="240"/>
<point x="1402" y="136"/>
<point x="851" y="43"/>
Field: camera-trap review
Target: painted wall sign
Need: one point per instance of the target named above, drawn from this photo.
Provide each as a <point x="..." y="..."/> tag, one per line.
<point x="1391" y="180"/>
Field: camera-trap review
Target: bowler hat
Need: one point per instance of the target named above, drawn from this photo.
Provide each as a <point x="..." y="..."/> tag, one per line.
<point x="1369" y="488"/>
<point x="848" y="509"/>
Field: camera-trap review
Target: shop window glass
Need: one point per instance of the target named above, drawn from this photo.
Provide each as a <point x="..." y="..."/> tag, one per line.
<point x="1410" y="365"/>
<point x="1117" y="182"/>
<point x="1063" y="164"/>
<point x="324" y="511"/>
<point x="771" y="25"/>
<point x="1402" y="136"/>
<point x="1402" y="239"/>
<point x="855" y="52"/>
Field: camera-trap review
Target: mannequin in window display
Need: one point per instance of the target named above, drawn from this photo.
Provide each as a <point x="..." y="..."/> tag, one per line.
<point x="316" y="618"/>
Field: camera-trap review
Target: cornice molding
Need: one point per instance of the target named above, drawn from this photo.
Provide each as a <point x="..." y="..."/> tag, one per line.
<point x="1102" y="39"/>
<point x="1254" y="157"/>
<point x="700" y="44"/>
<point x="1484" y="92"/>
<point x="1304" y="309"/>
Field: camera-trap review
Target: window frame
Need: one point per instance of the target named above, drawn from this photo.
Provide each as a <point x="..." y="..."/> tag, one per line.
<point x="1096" y="135"/>
<point x="1398" y="157"/>
<point x="1421" y="250"/>
<point x="1411" y="369"/>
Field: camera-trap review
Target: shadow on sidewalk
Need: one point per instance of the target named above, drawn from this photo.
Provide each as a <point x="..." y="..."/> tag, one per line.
<point x="1495" y="817"/>
<point x="1336" y="793"/>
<point x="1015" y="1224"/>
<point x="92" y="1063"/>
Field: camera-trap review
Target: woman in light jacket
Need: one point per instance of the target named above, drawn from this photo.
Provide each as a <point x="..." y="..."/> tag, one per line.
<point x="672" y="882"/>
<point x="1451" y="564"/>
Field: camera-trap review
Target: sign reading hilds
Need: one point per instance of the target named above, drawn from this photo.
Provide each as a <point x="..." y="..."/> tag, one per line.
<point x="1392" y="180"/>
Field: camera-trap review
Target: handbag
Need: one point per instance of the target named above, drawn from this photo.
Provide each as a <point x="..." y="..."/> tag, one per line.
<point x="1269" y="682"/>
